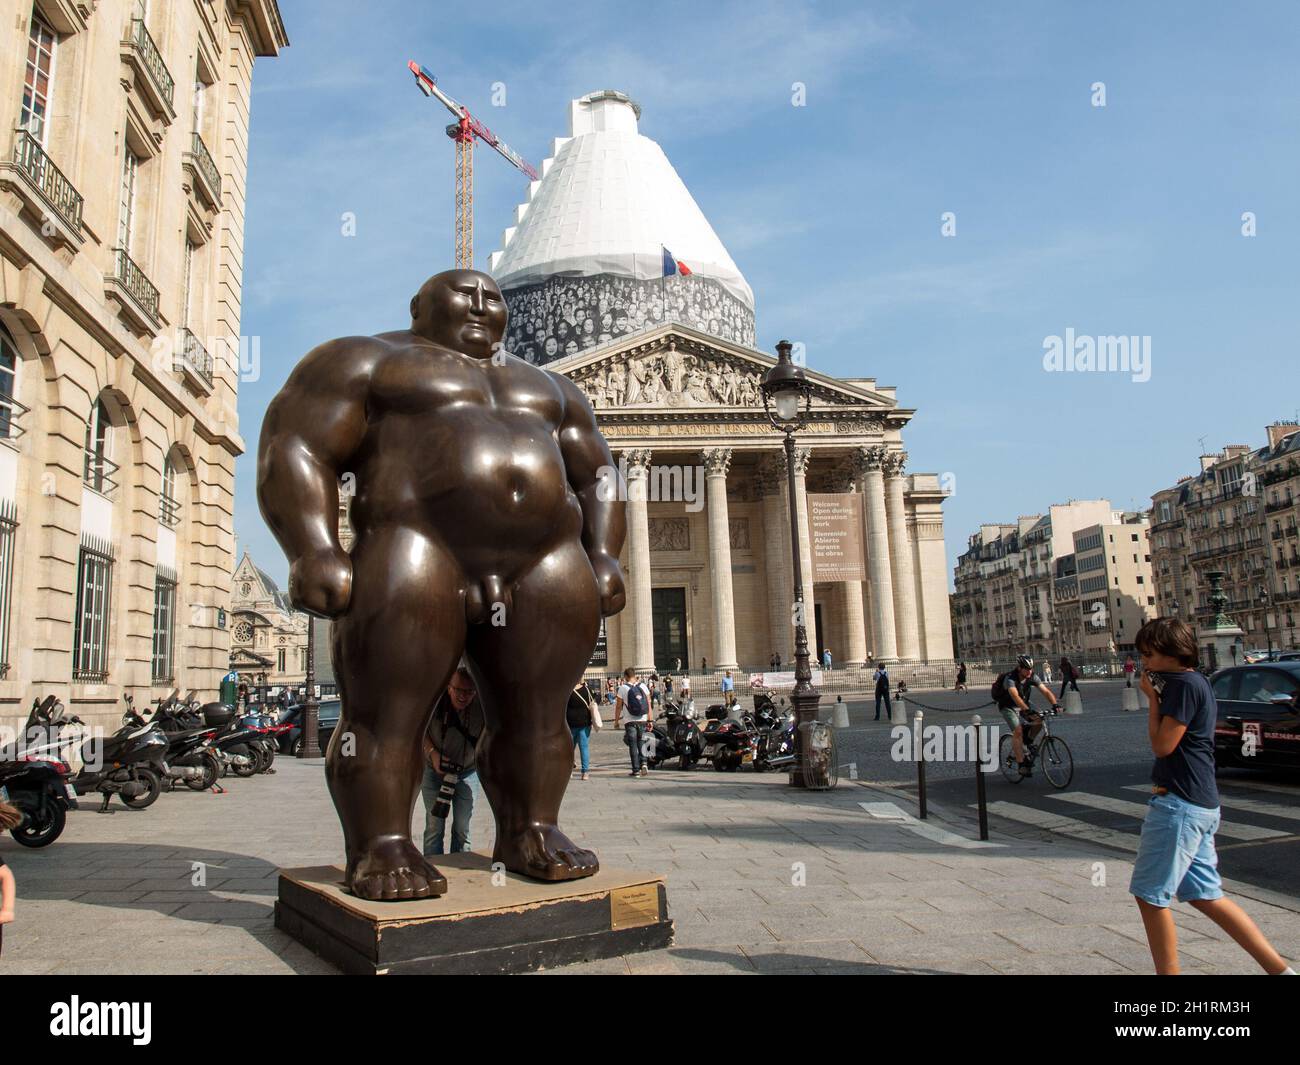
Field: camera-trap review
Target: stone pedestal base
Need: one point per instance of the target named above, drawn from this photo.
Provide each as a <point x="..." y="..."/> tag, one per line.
<point x="516" y="925"/>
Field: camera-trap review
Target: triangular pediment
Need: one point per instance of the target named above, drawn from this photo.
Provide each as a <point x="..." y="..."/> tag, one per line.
<point x="674" y="367"/>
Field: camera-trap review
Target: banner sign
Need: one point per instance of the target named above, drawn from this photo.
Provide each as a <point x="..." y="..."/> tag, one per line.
<point x="836" y="529"/>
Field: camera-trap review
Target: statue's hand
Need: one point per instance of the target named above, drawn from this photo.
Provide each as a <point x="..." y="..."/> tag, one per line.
<point x="609" y="579"/>
<point x="321" y="582"/>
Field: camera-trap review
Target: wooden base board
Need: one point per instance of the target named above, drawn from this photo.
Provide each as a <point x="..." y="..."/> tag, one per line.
<point x="485" y="923"/>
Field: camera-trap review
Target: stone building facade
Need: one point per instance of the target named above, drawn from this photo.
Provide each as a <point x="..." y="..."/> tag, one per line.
<point x="1237" y="516"/>
<point x="268" y="638"/>
<point x="121" y="235"/>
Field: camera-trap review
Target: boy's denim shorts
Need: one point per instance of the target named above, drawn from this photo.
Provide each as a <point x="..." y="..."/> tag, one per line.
<point x="1176" y="856"/>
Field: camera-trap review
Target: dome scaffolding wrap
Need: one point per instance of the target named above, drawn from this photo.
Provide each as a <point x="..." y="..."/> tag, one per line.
<point x="594" y="230"/>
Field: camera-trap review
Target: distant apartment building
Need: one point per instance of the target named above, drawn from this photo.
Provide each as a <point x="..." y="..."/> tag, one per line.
<point x="1114" y="596"/>
<point x="1005" y="596"/>
<point x="1237" y="516"/>
<point x="122" y="189"/>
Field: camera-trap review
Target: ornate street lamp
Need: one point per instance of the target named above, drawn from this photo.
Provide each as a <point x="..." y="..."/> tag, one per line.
<point x="1264" y="602"/>
<point x="787" y="401"/>
<point x="310" y="728"/>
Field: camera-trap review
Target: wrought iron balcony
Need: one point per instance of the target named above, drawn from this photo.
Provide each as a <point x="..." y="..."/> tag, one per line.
<point x="193" y="358"/>
<point x="169" y="511"/>
<point x="152" y="60"/>
<point x="133" y="279"/>
<point x="200" y="160"/>
<point x="11" y="418"/>
<point x="98" y="471"/>
<point x="31" y="159"/>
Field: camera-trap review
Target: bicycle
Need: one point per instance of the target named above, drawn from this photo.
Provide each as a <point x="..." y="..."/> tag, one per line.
<point x="1054" y="752"/>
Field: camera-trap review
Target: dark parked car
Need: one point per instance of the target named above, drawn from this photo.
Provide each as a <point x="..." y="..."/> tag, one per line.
<point x="327" y="719"/>
<point x="1261" y="700"/>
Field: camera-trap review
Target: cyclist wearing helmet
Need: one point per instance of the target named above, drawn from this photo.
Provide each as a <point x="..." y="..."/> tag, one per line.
<point x="1017" y="685"/>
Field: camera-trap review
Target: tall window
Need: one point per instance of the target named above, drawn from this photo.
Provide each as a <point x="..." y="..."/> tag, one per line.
<point x="279" y="659"/>
<point x="126" y="204"/>
<point x="8" y="535"/>
<point x="94" y="592"/>
<point x="99" y="466"/>
<point x="169" y="507"/>
<point x="8" y="375"/>
<point x="164" y="625"/>
<point x="187" y="287"/>
<point x="200" y="91"/>
<point x="38" y="79"/>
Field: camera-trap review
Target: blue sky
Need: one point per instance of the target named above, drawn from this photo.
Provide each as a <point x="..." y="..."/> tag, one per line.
<point x="1115" y="220"/>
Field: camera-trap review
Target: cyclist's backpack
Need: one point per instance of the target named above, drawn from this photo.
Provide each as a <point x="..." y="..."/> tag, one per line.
<point x="998" y="692"/>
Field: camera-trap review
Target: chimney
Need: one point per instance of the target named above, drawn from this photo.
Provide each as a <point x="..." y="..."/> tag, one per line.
<point x="1209" y="460"/>
<point x="1279" y="431"/>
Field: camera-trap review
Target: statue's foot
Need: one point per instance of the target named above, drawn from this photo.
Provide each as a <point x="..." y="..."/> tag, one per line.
<point x="392" y="869"/>
<point x="543" y="852"/>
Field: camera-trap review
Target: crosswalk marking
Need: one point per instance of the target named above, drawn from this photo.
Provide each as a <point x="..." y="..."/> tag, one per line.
<point x="1241" y="802"/>
<point x="1259" y="785"/>
<point x="1227" y="829"/>
<point x="1062" y="825"/>
<point x="894" y="814"/>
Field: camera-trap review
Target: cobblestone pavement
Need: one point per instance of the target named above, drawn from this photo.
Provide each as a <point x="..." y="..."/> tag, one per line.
<point x="761" y="878"/>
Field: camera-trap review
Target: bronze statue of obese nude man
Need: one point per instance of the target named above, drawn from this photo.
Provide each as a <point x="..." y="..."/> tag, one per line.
<point x="483" y="529"/>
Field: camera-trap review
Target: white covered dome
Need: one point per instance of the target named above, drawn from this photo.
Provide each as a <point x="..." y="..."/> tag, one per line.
<point x="607" y="204"/>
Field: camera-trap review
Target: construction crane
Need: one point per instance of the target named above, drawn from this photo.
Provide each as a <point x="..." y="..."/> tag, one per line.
<point x="463" y="131"/>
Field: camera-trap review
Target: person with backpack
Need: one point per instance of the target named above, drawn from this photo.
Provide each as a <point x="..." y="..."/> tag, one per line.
<point x="1011" y="691"/>
<point x="634" y="702"/>
<point x="1069" y="675"/>
<point x="961" y="677"/>
<point x="882" y="692"/>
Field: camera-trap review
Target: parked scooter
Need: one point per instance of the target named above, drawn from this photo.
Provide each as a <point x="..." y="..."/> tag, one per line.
<point x="730" y="740"/>
<point x="190" y="759"/>
<point x="676" y="735"/>
<point x="40" y="790"/>
<point x="774" y="725"/>
<point x="129" y="764"/>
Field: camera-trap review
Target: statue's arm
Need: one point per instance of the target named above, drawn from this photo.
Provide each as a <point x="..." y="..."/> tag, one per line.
<point x="311" y="430"/>
<point x="595" y="481"/>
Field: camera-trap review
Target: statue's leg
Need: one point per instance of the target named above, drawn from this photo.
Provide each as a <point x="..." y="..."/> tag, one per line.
<point x="525" y="670"/>
<point x="394" y="652"/>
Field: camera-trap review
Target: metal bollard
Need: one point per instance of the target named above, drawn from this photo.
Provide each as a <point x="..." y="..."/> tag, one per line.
<point x="898" y="713"/>
<point x="980" y="798"/>
<point x="840" y="719"/>
<point x="918" y="732"/>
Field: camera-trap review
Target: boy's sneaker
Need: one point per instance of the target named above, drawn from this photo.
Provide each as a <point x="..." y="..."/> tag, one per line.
<point x="644" y="772"/>
<point x="1025" y="771"/>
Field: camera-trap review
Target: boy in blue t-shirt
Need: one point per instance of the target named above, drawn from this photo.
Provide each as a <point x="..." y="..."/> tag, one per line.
<point x="1176" y="856"/>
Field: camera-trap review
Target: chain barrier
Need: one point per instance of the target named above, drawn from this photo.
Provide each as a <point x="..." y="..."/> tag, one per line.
<point x="947" y="709"/>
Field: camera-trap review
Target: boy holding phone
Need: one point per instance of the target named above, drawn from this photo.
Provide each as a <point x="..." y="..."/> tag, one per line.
<point x="1176" y="856"/>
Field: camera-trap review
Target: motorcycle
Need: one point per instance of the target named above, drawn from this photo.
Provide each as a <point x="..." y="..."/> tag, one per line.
<point x="130" y="763"/>
<point x="676" y="735"/>
<point x="730" y="739"/>
<point x="189" y="759"/>
<point x="40" y="790"/>
<point x="775" y="728"/>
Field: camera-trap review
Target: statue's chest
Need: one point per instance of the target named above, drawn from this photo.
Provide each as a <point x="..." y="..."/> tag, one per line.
<point x="466" y="397"/>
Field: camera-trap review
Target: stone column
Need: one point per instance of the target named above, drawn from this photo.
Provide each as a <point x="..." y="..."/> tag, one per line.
<point x="900" y="561"/>
<point x="716" y="463"/>
<point x="868" y="468"/>
<point x="854" y="652"/>
<point x="638" y="557"/>
<point x="777" y="559"/>
<point x="802" y="456"/>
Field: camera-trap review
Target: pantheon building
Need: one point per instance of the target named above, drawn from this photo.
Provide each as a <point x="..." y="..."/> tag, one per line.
<point x="670" y="366"/>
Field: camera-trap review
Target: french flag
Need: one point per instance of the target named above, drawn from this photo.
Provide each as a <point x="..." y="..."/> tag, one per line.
<point x="674" y="266"/>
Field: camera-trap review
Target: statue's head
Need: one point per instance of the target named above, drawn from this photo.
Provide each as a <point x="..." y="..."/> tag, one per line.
<point x="462" y="310"/>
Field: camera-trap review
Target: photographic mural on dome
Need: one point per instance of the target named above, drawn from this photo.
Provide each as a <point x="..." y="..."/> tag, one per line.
<point x="565" y="315"/>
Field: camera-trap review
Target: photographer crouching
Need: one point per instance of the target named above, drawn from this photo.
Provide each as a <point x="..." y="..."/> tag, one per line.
<point x="449" y="778"/>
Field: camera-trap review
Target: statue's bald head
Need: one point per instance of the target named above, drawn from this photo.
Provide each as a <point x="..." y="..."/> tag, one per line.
<point x="462" y="310"/>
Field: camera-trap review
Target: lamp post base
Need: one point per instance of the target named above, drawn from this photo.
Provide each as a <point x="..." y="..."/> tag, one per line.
<point x="805" y="711"/>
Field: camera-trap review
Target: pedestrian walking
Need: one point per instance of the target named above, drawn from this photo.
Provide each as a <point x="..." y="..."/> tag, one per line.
<point x="961" y="677"/>
<point x="882" y="692"/>
<point x="1069" y="675"/>
<point x="774" y="663"/>
<point x="656" y="696"/>
<point x="1129" y="667"/>
<point x="582" y="715"/>
<point x="450" y="750"/>
<point x="634" y="704"/>
<point x="1176" y="856"/>
<point x="728" y="689"/>
<point x="826" y="658"/>
<point x="704" y="665"/>
<point x="1047" y="671"/>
